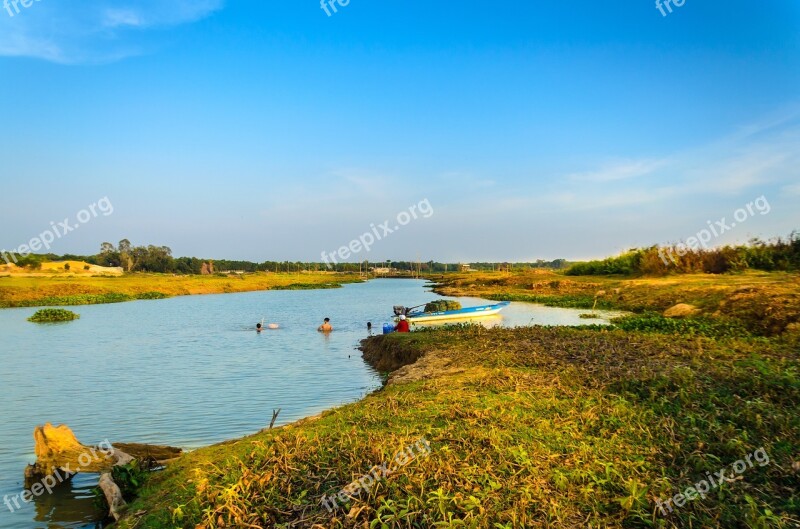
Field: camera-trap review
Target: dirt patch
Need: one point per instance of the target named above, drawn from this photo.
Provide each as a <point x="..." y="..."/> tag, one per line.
<point x="386" y="355"/>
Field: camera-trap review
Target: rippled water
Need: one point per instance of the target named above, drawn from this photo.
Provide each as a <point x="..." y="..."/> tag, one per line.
<point x="188" y="372"/>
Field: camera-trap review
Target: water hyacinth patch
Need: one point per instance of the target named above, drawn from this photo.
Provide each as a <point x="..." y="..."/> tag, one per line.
<point x="53" y="316"/>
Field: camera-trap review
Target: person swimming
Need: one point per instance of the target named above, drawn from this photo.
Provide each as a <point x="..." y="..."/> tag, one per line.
<point x="260" y="326"/>
<point x="326" y="326"/>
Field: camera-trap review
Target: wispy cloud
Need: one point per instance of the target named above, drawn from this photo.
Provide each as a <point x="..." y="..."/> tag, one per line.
<point x="792" y="190"/>
<point x="757" y="156"/>
<point x="93" y="31"/>
<point x="619" y="170"/>
<point x="122" y="17"/>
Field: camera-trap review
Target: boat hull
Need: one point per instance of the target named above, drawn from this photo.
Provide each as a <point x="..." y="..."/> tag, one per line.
<point x="461" y="314"/>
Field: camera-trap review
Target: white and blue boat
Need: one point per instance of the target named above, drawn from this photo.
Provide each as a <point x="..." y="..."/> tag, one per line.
<point x="481" y="311"/>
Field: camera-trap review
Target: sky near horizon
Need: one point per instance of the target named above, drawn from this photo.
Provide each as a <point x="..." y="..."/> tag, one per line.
<point x="266" y="130"/>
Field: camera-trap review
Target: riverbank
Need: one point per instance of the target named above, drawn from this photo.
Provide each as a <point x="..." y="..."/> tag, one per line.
<point x="67" y="290"/>
<point x="765" y="303"/>
<point x="527" y="427"/>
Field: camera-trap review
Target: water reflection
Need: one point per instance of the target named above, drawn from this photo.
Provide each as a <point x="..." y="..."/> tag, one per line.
<point x="70" y="501"/>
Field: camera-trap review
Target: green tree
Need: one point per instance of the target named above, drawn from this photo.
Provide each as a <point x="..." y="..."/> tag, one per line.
<point x="125" y="257"/>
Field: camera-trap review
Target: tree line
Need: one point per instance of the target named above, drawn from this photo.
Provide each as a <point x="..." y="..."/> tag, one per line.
<point x="159" y="259"/>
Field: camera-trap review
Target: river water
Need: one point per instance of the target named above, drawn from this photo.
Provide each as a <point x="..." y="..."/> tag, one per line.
<point x="190" y="371"/>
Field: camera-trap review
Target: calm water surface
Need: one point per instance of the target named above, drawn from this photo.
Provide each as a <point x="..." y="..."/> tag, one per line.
<point x="190" y="371"/>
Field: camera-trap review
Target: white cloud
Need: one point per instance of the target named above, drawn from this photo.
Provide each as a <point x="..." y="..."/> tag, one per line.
<point x="620" y="170"/>
<point x="92" y="31"/>
<point x="122" y="17"/>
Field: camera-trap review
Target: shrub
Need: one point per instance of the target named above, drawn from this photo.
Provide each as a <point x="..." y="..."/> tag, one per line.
<point x="129" y="478"/>
<point x="776" y="254"/>
<point x="53" y="315"/>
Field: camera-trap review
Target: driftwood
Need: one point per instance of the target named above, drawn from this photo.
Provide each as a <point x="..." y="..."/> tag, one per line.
<point x="274" y="417"/>
<point x="113" y="495"/>
<point x="158" y="453"/>
<point x="59" y="456"/>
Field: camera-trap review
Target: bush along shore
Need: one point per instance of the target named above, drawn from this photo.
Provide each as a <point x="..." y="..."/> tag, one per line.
<point x="526" y="427"/>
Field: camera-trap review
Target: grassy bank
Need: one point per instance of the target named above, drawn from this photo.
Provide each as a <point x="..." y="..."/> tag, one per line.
<point x="87" y="290"/>
<point x="529" y="427"/>
<point x="765" y="303"/>
<point x="538" y="427"/>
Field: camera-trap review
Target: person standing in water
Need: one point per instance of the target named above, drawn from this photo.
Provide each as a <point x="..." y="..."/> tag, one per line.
<point x="258" y="327"/>
<point x="326" y="326"/>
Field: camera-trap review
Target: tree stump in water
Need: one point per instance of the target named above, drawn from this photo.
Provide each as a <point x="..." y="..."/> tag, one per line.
<point x="59" y="455"/>
<point x="57" y="448"/>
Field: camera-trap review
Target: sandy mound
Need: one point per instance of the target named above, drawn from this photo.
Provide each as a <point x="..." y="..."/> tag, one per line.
<point x="681" y="310"/>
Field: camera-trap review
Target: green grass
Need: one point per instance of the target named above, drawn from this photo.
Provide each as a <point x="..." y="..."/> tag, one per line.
<point x="152" y="295"/>
<point x="53" y="316"/>
<point x="86" y="299"/>
<point x="529" y="427"/>
<point x="307" y="286"/>
<point x="569" y="301"/>
<point x="699" y="326"/>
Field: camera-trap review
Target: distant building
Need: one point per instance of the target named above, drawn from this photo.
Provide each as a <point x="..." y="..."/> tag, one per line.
<point x="382" y="271"/>
<point x="466" y="268"/>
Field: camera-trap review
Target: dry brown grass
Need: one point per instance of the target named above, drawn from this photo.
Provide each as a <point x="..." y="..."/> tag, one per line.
<point x="77" y="290"/>
<point x="765" y="302"/>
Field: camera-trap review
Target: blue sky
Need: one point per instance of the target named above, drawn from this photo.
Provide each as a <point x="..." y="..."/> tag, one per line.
<point x="268" y="130"/>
